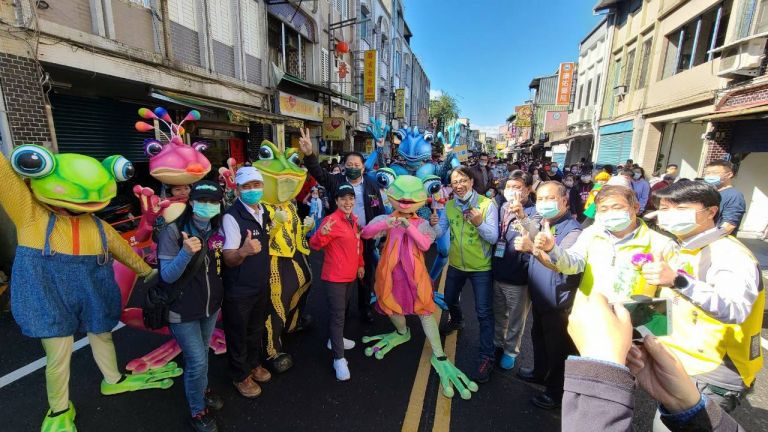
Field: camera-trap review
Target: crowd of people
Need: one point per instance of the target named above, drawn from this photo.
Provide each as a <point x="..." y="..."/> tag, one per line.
<point x="568" y="246"/>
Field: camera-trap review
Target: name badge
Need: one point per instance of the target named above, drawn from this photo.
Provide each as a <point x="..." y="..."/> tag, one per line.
<point x="501" y="248"/>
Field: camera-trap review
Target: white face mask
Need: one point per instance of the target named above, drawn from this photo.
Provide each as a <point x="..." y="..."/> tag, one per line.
<point x="511" y="195"/>
<point x="678" y="222"/>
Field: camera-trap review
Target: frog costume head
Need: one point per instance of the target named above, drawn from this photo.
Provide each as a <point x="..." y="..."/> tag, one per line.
<point x="71" y="181"/>
<point x="283" y="177"/>
<point x="407" y="193"/>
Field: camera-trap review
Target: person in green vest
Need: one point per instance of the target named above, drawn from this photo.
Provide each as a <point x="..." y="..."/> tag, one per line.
<point x="473" y="221"/>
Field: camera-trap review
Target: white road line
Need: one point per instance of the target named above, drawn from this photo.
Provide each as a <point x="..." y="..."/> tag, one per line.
<point x="40" y="363"/>
<point x="764" y="343"/>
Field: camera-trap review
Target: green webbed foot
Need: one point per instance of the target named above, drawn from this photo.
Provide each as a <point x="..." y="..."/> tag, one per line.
<point x="151" y="379"/>
<point x="451" y="376"/>
<point x="387" y="342"/>
<point x="64" y="422"/>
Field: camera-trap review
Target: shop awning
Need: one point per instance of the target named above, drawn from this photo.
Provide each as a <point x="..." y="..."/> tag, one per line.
<point x="735" y="115"/>
<point x="281" y="75"/>
<point x="237" y="113"/>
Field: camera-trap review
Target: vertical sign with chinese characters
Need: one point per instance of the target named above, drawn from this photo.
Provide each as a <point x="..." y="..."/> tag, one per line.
<point x="400" y="103"/>
<point x="370" y="76"/>
<point x="565" y="83"/>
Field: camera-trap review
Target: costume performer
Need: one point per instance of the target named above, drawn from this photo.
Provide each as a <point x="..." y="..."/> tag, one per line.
<point x="290" y="275"/>
<point x="403" y="286"/>
<point x="63" y="282"/>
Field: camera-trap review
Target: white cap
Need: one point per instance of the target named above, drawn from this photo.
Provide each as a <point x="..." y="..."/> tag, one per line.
<point x="620" y="180"/>
<point x="247" y="174"/>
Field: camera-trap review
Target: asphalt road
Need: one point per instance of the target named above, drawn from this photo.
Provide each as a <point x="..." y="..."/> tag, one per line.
<point x="399" y="392"/>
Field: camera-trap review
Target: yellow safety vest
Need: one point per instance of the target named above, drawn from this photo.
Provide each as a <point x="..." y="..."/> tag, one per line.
<point x="701" y="341"/>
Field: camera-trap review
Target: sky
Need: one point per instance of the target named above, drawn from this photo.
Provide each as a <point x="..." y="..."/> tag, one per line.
<point x="485" y="52"/>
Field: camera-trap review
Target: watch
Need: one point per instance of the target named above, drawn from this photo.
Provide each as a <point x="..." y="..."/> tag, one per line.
<point x="681" y="281"/>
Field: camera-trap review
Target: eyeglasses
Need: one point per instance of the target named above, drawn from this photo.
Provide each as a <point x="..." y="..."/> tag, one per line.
<point x="460" y="182"/>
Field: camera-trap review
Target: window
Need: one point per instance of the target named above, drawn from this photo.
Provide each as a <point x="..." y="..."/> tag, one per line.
<point x="581" y="94"/>
<point x="597" y="88"/>
<point x="630" y="69"/>
<point x="325" y="64"/>
<point x="589" y="92"/>
<point x="250" y="22"/>
<point x="183" y="12"/>
<point x="690" y="45"/>
<point x="365" y="26"/>
<point x="753" y="18"/>
<point x="342" y="7"/>
<point x="644" y="61"/>
<point x="145" y="3"/>
<point x="635" y="5"/>
<point x="220" y="21"/>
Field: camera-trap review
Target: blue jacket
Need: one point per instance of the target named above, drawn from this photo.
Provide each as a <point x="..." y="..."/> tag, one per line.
<point x="549" y="289"/>
<point x="513" y="267"/>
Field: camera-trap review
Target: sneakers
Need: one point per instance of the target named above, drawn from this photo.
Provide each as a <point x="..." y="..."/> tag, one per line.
<point x="213" y="401"/>
<point x="348" y="344"/>
<point x="483" y="374"/>
<point x="60" y="422"/>
<point x="260" y="375"/>
<point x="248" y="388"/>
<point x="451" y="326"/>
<point x="204" y="422"/>
<point x="507" y="361"/>
<point x="342" y="369"/>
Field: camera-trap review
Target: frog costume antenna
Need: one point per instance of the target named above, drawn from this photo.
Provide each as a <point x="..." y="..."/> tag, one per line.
<point x="289" y="274"/>
<point x="62" y="281"/>
<point x="403" y="286"/>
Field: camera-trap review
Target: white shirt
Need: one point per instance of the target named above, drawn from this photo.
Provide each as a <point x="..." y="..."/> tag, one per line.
<point x="359" y="209"/>
<point x="231" y="228"/>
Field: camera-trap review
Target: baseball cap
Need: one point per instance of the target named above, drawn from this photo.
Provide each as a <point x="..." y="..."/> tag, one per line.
<point x="345" y="189"/>
<point x="206" y="189"/>
<point x="247" y="174"/>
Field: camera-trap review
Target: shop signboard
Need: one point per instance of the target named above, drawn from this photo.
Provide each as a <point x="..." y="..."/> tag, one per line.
<point x="334" y="128"/>
<point x="294" y="106"/>
<point x="370" y="76"/>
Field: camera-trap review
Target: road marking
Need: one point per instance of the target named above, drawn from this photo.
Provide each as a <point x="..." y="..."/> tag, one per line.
<point x="764" y="343"/>
<point x="40" y="363"/>
<point x="419" y="389"/>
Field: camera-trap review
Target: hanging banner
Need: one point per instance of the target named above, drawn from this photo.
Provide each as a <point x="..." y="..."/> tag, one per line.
<point x="400" y="103"/>
<point x="298" y="107"/>
<point x="334" y="128"/>
<point x="524" y="116"/>
<point x="565" y="83"/>
<point x="370" y="76"/>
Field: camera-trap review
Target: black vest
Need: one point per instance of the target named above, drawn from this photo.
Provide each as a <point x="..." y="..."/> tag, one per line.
<point x="252" y="276"/>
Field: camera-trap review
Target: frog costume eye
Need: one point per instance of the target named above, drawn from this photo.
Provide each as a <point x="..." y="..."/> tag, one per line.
<point x="292" y="156"/>
<point x="33" y="161"/>
<point x="121" y="168"/>
<point x="432" y="184"/>
<point x="385" y="177"/>
<point x="266" y="153"/>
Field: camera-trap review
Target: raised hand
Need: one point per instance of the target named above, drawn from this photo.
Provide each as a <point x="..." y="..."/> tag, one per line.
<point x="475" y="217"/>
<point x="378" y="130"/>
<point x="393" y="222"/>
<point x="404" y="222"/>
<point x="454" y="133"/>
<point x="659" y="272"/>
<point x="251" y="246"/>
<point x="523" y="242"/>
<point x="327" y="227"/>
<point x="599" y="330"/>
<point x="434" y="219"/>
<point x="309" y="223"/>
<point x="305" y="143"/>
<point x="281" y="216"/>
<point x="191" y="244"/>
<point x="544" y="240"/>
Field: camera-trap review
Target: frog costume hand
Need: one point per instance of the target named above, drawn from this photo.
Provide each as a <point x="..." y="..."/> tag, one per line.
<point x="290" y="275"/>
<point x="63" y="261"/>
<point x="403" y="286"/>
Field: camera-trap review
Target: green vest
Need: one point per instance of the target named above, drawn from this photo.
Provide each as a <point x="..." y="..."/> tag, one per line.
<point x="468" y="251"/>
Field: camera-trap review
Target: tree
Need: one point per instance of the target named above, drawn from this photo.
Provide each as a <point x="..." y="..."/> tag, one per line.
<point x="442" y="110"/>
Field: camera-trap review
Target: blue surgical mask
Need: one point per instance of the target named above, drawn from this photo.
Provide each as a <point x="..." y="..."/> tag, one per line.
<point x="547" y="209"/>
<point x="714" y="180"/>
<point x="251" y="196"/>
<point x="614" y="220"/>
<point x="205" y="210"/>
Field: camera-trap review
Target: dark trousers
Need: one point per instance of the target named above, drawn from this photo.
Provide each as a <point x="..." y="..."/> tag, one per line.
<point x="338" y="294"/>
<point x="244" y="319"/>
<point x="482" y="285"/>
<point x="551" y="347"/>
<point x="365" y="287"/>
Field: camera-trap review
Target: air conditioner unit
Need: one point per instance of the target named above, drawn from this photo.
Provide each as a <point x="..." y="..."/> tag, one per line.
<point x="743" y="59"/>
<point x="620" y="91"/>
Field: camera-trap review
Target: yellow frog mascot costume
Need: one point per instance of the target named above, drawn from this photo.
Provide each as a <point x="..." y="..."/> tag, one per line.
<point x="62" y="281"/>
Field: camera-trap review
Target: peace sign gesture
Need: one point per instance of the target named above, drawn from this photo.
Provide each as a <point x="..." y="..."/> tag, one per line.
<point x="305" y="143"/>
<point x="326" y="228"/>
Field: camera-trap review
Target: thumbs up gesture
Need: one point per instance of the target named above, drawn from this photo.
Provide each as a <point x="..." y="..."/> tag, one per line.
<point x="659" y="272"/>
<point x="251" y="246"/>
<point x="191" y="244"/>
<point x="523" y="242"/>
<point x="544" y="239"/>
<point x="434" y="219"/>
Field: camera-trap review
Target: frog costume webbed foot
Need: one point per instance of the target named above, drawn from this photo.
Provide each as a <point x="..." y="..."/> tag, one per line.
<point x="451" y="377"/>
<point x="151" y="379"/>
<point x="64" y="422"/>
<point x="386" y="343"/>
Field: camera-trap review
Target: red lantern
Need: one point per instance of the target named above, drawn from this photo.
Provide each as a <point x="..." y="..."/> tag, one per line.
<point x="342" y="47"/>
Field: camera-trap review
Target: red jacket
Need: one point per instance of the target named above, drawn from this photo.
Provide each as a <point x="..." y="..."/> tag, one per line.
<point x="343" y="248"/>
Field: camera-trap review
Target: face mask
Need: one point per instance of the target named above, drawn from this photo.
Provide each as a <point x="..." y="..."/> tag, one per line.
<point x="678" y="222"/>
<point x="547" y="209"/>
<point x="206" y="210"/>
<point x="482" y="164"/>
<point x="586" y="179"/>
<point x="510" y="194"/>
<point x="714" y="180"/>
<point x="467" y="195"/>
<point x="535" y="177"/>
<point x="614" y="220"/>
<point x="568" y="183"/>
<point x="636" y="176"/>
<point x="488" y="194"/>
<point x="575" y="171"/>
<point x="353" y="173"/>
<point x="252" y="196"/>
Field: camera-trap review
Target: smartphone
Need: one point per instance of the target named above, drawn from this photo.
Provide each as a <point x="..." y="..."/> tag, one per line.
<point x="650" y="317"/>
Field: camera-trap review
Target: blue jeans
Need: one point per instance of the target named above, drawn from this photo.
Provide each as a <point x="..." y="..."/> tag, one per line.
<point x="482" y="285"/>
<point x="193" y="338"/>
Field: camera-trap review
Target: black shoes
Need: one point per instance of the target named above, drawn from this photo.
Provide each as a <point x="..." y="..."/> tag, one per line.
<point x="484" y="368"/>
<point x="204" y="422"/>
<point x="451" y="326"/>
<point x="528" y="375"/>
<point x="213" y="401"/>
<point x="546" y="401"/>
<point x="281" y="363"/>
<point x="304" y="324"/>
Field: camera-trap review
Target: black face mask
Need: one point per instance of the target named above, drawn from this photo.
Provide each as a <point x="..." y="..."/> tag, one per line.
<point x="353" y="173"/>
